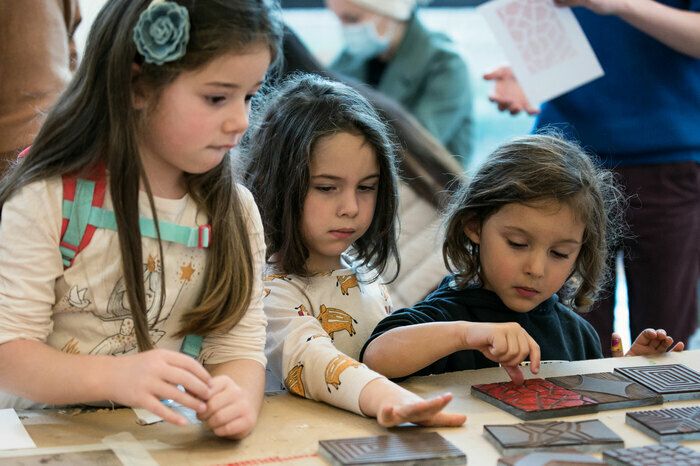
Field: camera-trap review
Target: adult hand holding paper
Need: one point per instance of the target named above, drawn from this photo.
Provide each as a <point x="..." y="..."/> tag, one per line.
<point x="546" y="47"/>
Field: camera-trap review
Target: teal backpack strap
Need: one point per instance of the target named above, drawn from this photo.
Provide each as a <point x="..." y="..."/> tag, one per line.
<point x="191" y="237"/>
<point x="192" y="345"/>
<point x="83" y="214"/>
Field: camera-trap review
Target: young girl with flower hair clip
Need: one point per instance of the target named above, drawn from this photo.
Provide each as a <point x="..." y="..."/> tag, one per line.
<point x="131" y="258"/>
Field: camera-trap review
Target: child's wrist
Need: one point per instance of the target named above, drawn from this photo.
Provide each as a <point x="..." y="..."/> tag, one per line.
<point x="463" y="331"/>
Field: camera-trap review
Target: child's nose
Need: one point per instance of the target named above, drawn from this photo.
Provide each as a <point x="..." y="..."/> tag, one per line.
<point x="535" y="264"/>
<point x="348" y="205"/>
<point x="237" y="121"/>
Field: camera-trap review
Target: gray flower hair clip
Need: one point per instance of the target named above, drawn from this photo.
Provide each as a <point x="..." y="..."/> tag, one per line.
<point x="162" y="32"/>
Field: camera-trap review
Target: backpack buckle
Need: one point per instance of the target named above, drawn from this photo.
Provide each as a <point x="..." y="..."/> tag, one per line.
<point x="204" y="234"/>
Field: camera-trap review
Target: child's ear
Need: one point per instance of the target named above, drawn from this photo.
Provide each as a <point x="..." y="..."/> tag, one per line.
<point x="472" y="228"/>
<point x="138" y="98"/>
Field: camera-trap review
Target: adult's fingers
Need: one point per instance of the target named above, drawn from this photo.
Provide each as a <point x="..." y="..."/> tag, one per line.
<point x="498" y="73"/>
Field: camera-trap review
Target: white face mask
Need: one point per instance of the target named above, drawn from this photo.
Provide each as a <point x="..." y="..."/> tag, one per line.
<point x="363" y="41"/>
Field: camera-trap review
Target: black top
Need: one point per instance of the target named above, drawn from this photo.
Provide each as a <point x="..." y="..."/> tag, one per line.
<point x="561" y="333"/>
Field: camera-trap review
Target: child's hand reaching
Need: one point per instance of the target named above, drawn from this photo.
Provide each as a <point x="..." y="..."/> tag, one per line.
<point x="419" y="411"/>
<point x="505" y="343"/>
<point x="648" y="342"/>
<point x="229" y="412"/>
<point x="392" y="404"/>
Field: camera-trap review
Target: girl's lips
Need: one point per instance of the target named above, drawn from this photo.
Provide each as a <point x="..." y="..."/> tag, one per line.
<point x="342" y="234"/>
<point x="526" y="292"/>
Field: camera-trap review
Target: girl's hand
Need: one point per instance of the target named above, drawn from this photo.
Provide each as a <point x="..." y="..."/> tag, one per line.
<point x="229" y="412"/>
<point x="419" y="411"/>
<point x="505" y="343"/>
<point x="648" y="342"/>
<point x="142" y="380"/>
<point x="507" y="93"/>
<point x="601" y="7"/>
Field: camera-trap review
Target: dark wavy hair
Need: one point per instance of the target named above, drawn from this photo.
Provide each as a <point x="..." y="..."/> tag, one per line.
<point x="94" y="122"/>
<point x="527" y="170"/>
<point x="277" y="154"/>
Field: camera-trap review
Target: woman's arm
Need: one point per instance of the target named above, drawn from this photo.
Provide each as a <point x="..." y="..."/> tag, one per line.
<point x="676" y="28"/>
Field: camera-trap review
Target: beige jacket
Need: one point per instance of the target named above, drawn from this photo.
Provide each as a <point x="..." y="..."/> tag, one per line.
<point x="37" y="56"/>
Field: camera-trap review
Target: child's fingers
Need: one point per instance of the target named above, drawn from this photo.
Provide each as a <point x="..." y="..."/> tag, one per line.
<point x="235" y="428"/>
<point x="219" y="417"/>
<point x="534" y="355"/>
<point x="189" y="364"/>
<point x="154" y="405"/>
<point x="616" y="346"/>
<point x="515" y="374"/>
<point x="447" y="420"/>
<point x="421" y="412"/>
<point x="680" y="346"/>
<point x="386" y="417"/>
<point x="171" y="392"/>
<point x="192" y="384"/>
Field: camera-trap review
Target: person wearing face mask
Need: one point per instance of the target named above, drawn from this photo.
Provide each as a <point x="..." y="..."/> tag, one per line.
<point x="389" y="48"/>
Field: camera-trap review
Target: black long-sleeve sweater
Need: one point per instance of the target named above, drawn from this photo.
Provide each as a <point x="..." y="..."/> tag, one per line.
<point x="561" y="333"/>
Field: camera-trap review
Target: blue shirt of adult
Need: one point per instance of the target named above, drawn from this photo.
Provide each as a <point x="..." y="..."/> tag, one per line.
<point x="645" y="110"/>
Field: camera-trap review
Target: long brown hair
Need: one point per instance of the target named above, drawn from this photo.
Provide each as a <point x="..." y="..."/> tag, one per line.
<point x="278" y="153"/>
<point x="94" y="122"/>
<point x="526" y="170"/>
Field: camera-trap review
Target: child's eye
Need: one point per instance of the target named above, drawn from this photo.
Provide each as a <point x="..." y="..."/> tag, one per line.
<point x="515" y="245"/>
<point x="215" y="99"/>
<point x="560" y="255"/>
<point x="367" y="187"/>
<point x="324" y="189"/>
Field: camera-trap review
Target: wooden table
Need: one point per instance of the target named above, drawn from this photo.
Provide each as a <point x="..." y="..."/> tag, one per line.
<point x="290" y="427"/>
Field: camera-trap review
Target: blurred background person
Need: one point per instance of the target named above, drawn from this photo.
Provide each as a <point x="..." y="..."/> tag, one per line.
<point x="389" y="48"/>
<point x="37" y="58"/>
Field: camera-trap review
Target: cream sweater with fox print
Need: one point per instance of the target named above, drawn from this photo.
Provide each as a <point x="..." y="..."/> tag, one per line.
<point x="316" y="328"/>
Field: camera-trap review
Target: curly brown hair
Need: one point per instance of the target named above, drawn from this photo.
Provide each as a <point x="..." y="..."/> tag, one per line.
<point x="526" y="170"/>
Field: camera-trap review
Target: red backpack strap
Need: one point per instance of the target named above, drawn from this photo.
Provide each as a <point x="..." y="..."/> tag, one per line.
<point x="78" y="192"/>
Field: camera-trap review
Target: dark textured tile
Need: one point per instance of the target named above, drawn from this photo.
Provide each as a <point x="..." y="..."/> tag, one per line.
<point x="668" y="425"/>
<point x="414" y="448"/>
<point x="653" y="455"/>
<point x="672" y="381"/>
<point x="528" y="437"/>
